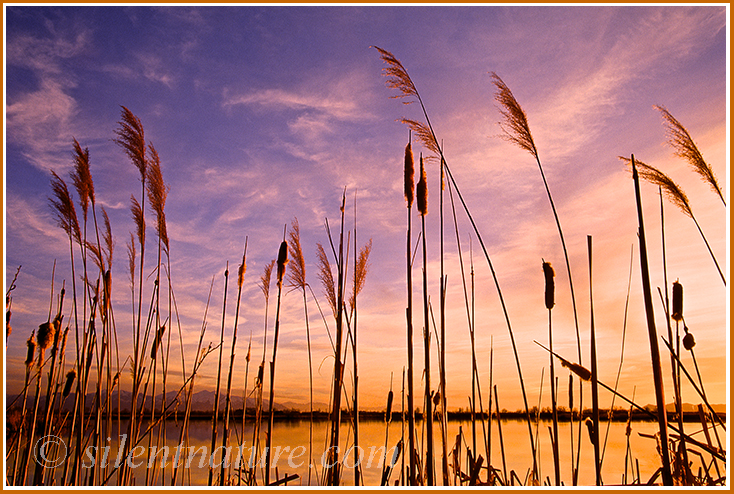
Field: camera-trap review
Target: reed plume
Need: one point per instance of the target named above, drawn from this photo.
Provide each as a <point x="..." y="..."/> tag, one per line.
<point x="131" y="137"/>
<point x="684" y="147"/>
<point x="326" y="277"/>
<point x="515" y="126"/>
<point x="360" y="273"/>
<point x="157" y="194"/>
<point x="81" y="177"/>
<point x="63" y="208"/>
<point x="675" y="194"/>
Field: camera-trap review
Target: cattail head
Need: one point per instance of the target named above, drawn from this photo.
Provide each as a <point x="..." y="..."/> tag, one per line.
<point x="8" y="327"/>
<point x="577" y="369"/>
<point x="677" y="314"/>
<point x="436" y="398"/>
<point x="282" y="261"/>
<point x="689" y="341"/>
<point x="422" y="190"/>
<point x="70" y="376"/>
<point x="409" y="169"/>
<point x="64" y="339"/>
<point x="570" y="392"/>
<point x="45" y="334"/>
<point x="388" y="413"/>
<point x="241" y="273"/>
<point x="592" y="433"/>
<point x="549" y="285"/>
<point x="56" y="331"/>
<point x="31" y="343"/>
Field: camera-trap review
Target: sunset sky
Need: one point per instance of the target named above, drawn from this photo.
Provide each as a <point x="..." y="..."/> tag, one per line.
<point x="262" y="114"/>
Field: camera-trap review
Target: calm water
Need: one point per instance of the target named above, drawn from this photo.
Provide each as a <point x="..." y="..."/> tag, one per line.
<point x="291" y="440"/>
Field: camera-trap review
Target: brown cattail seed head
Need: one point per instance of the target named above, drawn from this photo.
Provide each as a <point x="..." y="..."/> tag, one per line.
<point x="388" y="413"/>
<point x="577" y="369"/>
<point x="436" y="398"/>
<point x="592" y="432"/>
<point x="45" y="332"/>
<point x="677" y="314"/>
<point x="549" y="285"/>
<point x="282" y="261"/>
<point x="409" y="170"/>
<point x="70" y="376"/>
<point x="241" y="273"/>
<point x="689" y="341"/>
<point x="31" y="343"/>
<point x="422" y="191"/>
<point x="8" y="328"/>
<point x="157" y="341"/>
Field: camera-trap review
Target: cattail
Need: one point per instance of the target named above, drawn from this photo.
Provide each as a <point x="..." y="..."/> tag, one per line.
<point x="570" y="392"/>
<point x="592" y="433"/>
<point x="688" y="340"/>
<point x="56" y="328"/>
<point x="436" y="398"/>
<point x="677" y="314"/>
<point x="241" y="273"/>
<point x="45" y="333"/>
<point x="70" y="376"/>
<point x="549" y="285"/>
<point x="577" y="369"/>
<point x="388" y="413"/>
<point x="282" y="261"/>
<point x="31" y="343"/>
<point x="409" y="176"/>
<point x="422" y="190"/>
<point x="8" y="327"/>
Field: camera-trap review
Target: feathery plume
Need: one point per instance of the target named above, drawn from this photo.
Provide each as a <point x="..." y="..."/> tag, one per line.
<point x="107" y="238"/>
<point x="360" y="274"/>
<point x="131" y="258"/>
<point x="282" y="261"/>
<point x="422" y="190"/>
<point x="409" y="172"/>
<point x="397" y="76"/>
<point x="656" y="177"/>
<point x="63" y="208"/>
<point x="157" y="194"/>
<point x="297" y="273"/>
<point x="549" y="285"/>
<point x="138" y="219"/>
<point x="515" y="126"/>
<point x="682" y="143"/>
<point x="265" y="279"/>
<point x="131" y="137"/>
<point x="423" y="135"/>
<point x="81" y="177"/>
<point x="326" y="277"/>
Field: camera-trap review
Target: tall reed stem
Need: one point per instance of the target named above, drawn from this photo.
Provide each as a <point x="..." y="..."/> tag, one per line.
<point x="652" y="334"/>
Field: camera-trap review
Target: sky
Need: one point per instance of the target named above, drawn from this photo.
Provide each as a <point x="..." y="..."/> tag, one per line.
<point x="263" y="114"/>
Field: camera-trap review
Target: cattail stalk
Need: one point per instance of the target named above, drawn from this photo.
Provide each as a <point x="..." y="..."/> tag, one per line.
<point x="228" y="396"/>
<point x="409" y="172"/>
<point x="280" y="266"/>
<point x="549" y="274"/>
<point x="215" y="412"/>
<point x="422" y="199"/>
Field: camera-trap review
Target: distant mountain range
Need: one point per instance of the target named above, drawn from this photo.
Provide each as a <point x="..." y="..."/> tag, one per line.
<point x="201" y="401"/>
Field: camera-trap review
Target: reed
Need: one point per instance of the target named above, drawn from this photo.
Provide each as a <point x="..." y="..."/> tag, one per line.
<point x="684" y="147"/>
<point x="297" y="280"/>
<point x="675" y="194"/>
<point x="517" y="131"/>
<point x="654" y="352"/>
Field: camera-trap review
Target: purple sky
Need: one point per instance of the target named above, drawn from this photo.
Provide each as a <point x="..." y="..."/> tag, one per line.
<point x="263" y="114"/>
